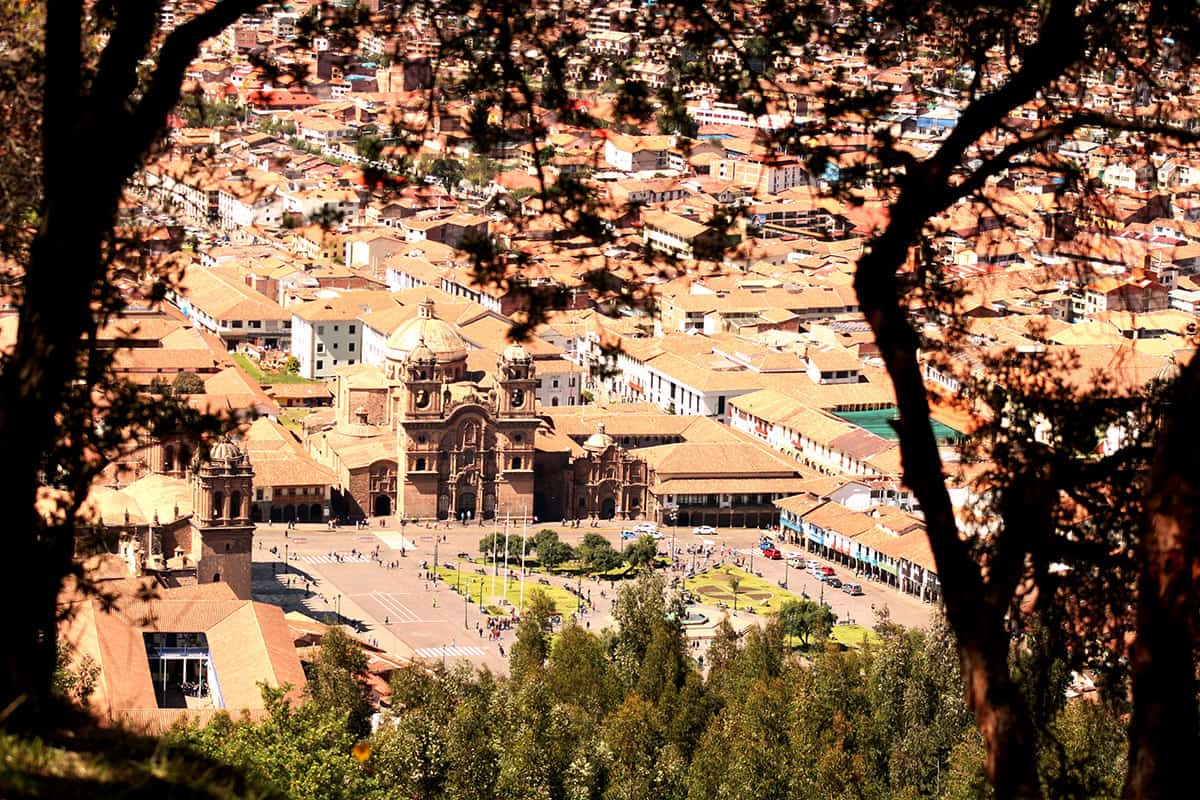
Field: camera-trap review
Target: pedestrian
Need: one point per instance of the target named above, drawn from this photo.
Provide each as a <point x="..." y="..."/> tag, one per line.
<point x="386" y="620"/>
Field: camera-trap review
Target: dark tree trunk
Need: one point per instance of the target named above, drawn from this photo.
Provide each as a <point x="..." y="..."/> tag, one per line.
<point x="1164" y="733"/>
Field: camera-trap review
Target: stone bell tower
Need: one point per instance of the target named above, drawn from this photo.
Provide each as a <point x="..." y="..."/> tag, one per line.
<point x="222" y="533"/>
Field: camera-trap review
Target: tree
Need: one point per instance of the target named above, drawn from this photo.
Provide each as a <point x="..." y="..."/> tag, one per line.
<point x="447" y="171"/>
<point x="551" y="551"/>
<point x="291" y="365"/>
<point x="335" y="680"/>
<point x="187" y="383"/>
<point x="493" y="544"/>
<point x="597" y="554"/>
<point x="805" y="620"/>
<point x="642" y="552"/>
<point x="532" y="646"/>
<point x="735" y="583"/>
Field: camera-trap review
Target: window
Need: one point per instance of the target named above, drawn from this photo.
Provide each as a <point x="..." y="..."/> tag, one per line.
<point x="516" y="463"/>
<point x="354" y="329"/>
<point x="335" y="345"/>
<point x="228" y="547"/>
<point x="352" y="361"/>
<point x="237" y="323"/>
<point x="554" y="385"/>
<point x="351" y="346"/>
<point x="320" y="347"/>
<point x="320" y="364"/>
<point x="255" y="323"/>
<point x="320" y="329"/>
<point x="420" y="465"/>
<point x="258" y="494"/>
<point x="335" y="328"/>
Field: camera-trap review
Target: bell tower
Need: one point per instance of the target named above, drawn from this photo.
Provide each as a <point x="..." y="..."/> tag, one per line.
<point x="516" y="382"/>
<point x="222" y="533"/>
<point x="423" y="387"/>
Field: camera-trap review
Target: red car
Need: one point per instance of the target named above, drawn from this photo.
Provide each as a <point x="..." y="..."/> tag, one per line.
<point x="827" y="571"/>
<point x="772" y="553"/>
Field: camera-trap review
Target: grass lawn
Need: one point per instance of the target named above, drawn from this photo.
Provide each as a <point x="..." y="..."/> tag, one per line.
<point x="854" y="636"/>
<point x="564" y="601"/>
<point x="252" y="369"/>
<point x="712" y="587"/>
<point x="292" y="418"/>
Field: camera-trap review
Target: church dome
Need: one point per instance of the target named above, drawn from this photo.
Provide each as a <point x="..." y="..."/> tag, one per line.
<point x="598" y="441"/>
<point x="517" y="354"/>
<point x="226" y="451"/>
<point x="438" y="337"/>
<point x="421" y="353"/>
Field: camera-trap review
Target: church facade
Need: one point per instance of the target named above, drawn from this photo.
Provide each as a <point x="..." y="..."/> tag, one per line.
<point x="429" y="436"/>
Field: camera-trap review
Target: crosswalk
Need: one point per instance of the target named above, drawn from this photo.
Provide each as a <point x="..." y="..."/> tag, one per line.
<point x="449" y="652"/>
<point x="393" y="609"/>
<point x="396" y="541"/>
<point x="325" y="558"/>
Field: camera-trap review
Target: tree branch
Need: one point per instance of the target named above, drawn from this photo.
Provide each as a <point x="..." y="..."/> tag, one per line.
<point x="148" y="119"/>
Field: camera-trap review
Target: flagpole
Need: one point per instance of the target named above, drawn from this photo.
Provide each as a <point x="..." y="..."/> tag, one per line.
<point x="524" y="534"/>
<point x="506" y="521"/>
<point x="495" y="533"/>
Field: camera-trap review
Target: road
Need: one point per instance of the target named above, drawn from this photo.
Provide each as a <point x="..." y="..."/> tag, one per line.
<point x="371" y="580"/>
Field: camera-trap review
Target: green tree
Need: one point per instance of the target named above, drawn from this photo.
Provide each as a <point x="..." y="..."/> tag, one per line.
<point x="336" y="680"/>
<point x="805" y="620"/>
<point x="597" y="554"/>
<point x="447" y="171"/>
<point x="641" y="553"/>
<point x="493" y="543"/>
<point x="532" y="644"/>
<point x="291" y="365"/>
<point x="551" y="551"/>
<point x="187" y="383"/>
<point x="579" y="672"/>
<point x="735" y="583"/>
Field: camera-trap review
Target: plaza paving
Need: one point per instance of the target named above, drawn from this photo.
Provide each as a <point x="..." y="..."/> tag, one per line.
<point x="370" y="580"/>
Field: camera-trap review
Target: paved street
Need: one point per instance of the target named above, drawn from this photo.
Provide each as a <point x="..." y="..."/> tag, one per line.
<point x="371" y="580"/>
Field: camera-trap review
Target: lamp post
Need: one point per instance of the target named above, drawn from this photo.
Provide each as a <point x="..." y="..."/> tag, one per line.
<point x="436" y="541"/>
<point x="671" y="512"/>
<point x="466" y="606"/>
<point x="338" y="600"/>
<point x="785" y="572"/>
<point x="286" y="568"/>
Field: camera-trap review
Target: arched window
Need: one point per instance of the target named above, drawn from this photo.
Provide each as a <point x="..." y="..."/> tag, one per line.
<point x="516" y="463"/>
<point x="216" y="577"/>
<point x="235" y="505"/>
<point x="218" y="505"/>
<point x="420" y="465"/>
<point x="169" y="458"/>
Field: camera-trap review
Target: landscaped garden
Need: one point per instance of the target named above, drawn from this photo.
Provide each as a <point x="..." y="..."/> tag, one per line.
<point x="267" y="377"/>
<point x="473" y="583"/>
<point x="715" y="586"/>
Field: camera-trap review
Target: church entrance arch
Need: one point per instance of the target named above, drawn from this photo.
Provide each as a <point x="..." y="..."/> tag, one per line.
<point x="466" y="505"/>
<point x="382" y="506"/>
<point x="289" y="513"/>
<point x="608" y="508"/>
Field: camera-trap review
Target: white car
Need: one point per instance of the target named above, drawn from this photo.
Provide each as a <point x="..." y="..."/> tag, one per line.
<point x="645" y="527"/>
<point x="704" y="530"/>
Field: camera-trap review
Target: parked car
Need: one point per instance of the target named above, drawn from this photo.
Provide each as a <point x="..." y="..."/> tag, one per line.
<point x="629" y="535"/>
<point x="833" y="581"/>
<point x="704" y="530"/>
<point x="645" y="527"/>
<point x="796" y="563"/>
<point x="852" y="588"/>
<point x="813" y="564"/>
<point x="827" y="571"/>
<point x="772" y="553"/>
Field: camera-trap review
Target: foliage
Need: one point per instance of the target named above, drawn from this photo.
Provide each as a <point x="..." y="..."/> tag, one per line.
<point x="597" y="554"/>
<point x="551" y="551"/>
<point x="187" y="383"/>
<point x="494" y="544"/>
<point x="532" y="645"/>
<point x="335" y="681"/>
<point x="641" y="552"/>
<point x="805" y="620"/>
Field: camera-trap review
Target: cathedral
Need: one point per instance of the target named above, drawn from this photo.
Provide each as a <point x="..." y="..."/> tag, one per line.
<point x="432" y="433"/>
<point x="185" y="524"/>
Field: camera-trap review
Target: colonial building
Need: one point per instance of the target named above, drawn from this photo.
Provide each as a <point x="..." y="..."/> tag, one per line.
<point x="431" y="434"/>
<point x="182" y="525"/>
